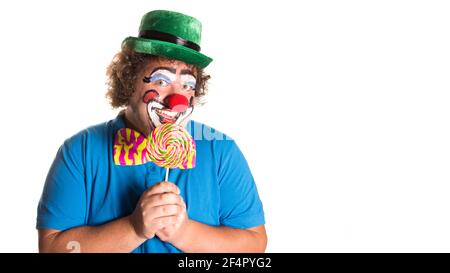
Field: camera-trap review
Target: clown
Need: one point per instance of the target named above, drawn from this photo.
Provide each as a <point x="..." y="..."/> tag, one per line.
<point x="213" y="205"/>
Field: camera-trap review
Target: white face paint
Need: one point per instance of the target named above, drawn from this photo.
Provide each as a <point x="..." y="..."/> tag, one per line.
<point x="162" y="77"/>
<point x="188" y="82"/>
<point x="157" y="109"/>
<point x="159" y="114"/>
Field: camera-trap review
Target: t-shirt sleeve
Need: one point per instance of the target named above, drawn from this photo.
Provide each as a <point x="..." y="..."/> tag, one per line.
<point x="63" y="201"/>
<point x="240" y="205"/>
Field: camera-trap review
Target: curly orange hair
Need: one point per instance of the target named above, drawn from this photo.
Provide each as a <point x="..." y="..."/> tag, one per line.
<point x="123" y="71"/>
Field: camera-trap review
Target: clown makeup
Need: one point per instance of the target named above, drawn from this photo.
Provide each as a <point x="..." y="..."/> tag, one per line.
<point x="164" y="76"/>
<point x="161" y="76"/>
<point x="170" y="107"/>
<point x="188" y="82"/>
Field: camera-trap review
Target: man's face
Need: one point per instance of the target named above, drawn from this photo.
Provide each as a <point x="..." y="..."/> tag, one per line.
<point x="164" y="94"/>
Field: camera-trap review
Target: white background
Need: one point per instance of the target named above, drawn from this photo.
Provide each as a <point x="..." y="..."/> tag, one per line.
<point x="340" y="107"/>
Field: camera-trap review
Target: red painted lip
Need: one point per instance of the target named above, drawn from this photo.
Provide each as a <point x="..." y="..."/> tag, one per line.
<point x="166" y="118"/>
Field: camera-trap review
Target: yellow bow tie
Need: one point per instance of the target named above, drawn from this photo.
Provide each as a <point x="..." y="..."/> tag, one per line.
<point x="131" y="148"/>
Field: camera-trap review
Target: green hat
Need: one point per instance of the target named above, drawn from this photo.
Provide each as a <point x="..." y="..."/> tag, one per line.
<point x="170" y="34"/>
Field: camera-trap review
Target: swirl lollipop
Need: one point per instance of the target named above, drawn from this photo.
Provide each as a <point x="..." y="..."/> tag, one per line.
<point x="171" y="146"/>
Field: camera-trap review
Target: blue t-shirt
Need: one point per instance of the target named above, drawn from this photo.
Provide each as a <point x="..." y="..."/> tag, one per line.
<point x="85" y="188"/>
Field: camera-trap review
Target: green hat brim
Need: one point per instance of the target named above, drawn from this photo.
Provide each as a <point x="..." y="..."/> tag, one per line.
<point x="169" y="50"/>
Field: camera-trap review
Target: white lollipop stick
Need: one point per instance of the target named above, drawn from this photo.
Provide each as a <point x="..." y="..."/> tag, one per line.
<point x="167" y="175"/>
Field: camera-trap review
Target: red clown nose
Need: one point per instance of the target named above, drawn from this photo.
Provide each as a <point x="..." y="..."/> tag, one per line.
<point x="177" y="103"/>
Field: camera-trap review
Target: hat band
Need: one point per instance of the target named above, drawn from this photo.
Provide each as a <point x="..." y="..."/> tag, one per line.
<point x="166" y="37"/>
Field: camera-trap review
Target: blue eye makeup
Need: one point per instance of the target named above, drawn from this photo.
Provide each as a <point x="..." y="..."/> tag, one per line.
<point x="162" y="75"/>
<point x="190" y="84"/>
<point x="159" y="76"/>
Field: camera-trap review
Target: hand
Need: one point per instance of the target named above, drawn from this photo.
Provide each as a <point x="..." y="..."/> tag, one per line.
<point x="158" y="207"/>
<point x="172" y="233"/>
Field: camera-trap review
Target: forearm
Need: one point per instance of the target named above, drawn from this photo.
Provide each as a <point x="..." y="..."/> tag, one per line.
<point x="115" y="236"/>
<point x="199" y="237"/>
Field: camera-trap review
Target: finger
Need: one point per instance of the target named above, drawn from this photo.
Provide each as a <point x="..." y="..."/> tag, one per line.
<point x="166" y="210"/>
<point x="182" y="202"/>
<point x="162" y="187"/>
<point x="180" y="218"/>
<point x="163" y="222"/>
<point x="167" y="198"/>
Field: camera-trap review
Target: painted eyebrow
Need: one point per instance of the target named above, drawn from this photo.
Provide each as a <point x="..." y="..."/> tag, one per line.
<point x="170" y="69"/>
<point x="187" y="72"/>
